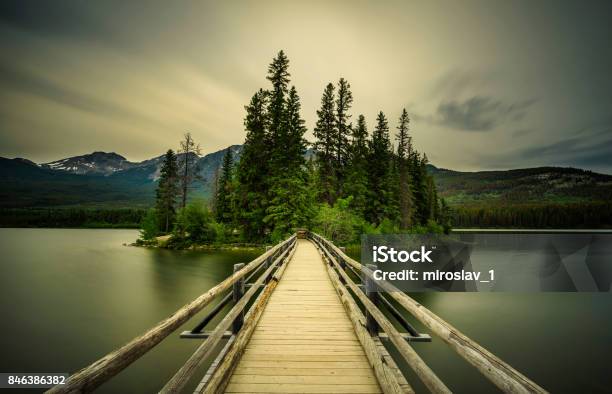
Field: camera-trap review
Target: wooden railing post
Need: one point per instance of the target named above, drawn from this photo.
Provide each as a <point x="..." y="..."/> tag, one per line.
<point x="492" y="367"/>
<point x="370" y="290"/>
<point x="238" y="291"/>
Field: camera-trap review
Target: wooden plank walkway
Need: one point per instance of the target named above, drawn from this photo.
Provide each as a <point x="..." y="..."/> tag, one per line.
<point x="304" y="342"/>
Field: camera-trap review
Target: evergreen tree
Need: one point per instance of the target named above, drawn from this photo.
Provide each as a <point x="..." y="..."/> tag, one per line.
<point x="253" y="169"/>
<point x="393" y="191"/>
<point x="433" y="204"/>
<point x="378" y="171"/>
<point x="404" y="149"/>
<point x="293" y="144"/>
<point x="419" y="187"/>
<point x="325" y="133"/>
<point x="290" y="206"/>
<point x="344" y="101"/>
<point x="356" y="184"/>
<point x="278" y="75"/>
<point x="149" y="227"/>
<point x="271" y="177"/>
<point x="223" y="200"/>
<point x="166" y="193"/>
<point x="445" y="216"/>
<point x="189" y="153"/>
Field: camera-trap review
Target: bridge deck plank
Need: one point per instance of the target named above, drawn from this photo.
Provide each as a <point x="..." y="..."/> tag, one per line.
<point x="304" y="342"/>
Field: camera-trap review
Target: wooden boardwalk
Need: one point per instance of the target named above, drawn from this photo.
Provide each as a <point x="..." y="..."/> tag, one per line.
<point x="304" y="332"/>
<point x="304" y="341"/>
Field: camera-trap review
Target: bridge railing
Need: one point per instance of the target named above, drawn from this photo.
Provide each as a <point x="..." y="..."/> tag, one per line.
<point x="100" y="371"/>
<point x="505" y="377"/>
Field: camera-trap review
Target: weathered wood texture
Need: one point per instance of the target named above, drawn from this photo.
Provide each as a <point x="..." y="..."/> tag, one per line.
<point x="206" y="349"/>
<point x="92" y="376"/>
<point x="427" y="376"/>
<point x="219" y="378"/>
<point x="506" y="378"/>
<point x="304" y="341"/>
<point x="388" y="374"/>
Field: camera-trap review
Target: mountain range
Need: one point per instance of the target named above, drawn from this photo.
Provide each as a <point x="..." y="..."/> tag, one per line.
<point x="107" y="179"/>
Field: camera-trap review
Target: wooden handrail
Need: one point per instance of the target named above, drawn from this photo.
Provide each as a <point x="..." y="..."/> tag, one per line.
<point x="500" y="373"/>
<point x="92" y="376"/>
<point x="184" y="374"/>
<point x="390" y="379"/>
<point x="427" y="376"/>
<point x="220" y="376"/>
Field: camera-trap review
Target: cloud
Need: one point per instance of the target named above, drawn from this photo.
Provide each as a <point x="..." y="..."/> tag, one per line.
<point x="478" y="113"/>
<point x="588" y="147"/>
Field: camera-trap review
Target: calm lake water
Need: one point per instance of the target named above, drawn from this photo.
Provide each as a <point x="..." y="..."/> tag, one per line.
<point x="68" y="297"/>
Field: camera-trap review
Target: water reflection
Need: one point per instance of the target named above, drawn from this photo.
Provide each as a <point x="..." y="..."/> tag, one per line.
<point x="71" y="296"/>
<point x="560" y="340"/>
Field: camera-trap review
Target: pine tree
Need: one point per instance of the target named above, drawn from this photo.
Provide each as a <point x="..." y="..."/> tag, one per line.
<point x="404" y="149"/>
<point x="278" y="75"/>
<point x="189" y="153"/>
<point x="325" y="133"/>
<point x="293" y="145"/>
<point x="290" y="205"/>
<point x="433" y="204"/>
<point x="167" y="192"/>
<point x="223" y="200"/>
<point x="344" y="101"/>
<point x="445" y="216"/>
<point x="253" y="169"/>
<point x="378" y="170"/>
<point x="418" y="173"/>
<point x="356" y="184"/>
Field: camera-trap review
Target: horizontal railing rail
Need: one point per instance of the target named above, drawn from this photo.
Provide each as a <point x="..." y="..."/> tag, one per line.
<point x="500" y="373"/>
<point x="100" y="371"/>
<point x="206" y="349"/>
<point x="376" y="320"/>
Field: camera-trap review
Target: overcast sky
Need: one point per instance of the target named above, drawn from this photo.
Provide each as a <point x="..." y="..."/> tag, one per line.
<point x="488" y="85"/>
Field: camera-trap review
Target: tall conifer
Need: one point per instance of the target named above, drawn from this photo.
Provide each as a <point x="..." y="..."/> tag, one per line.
<point x="223" y="197"/>
<point x="378" y="170"/>
<point x="344" y="101"/>
<point x="356" y="184"/>
<point x="325" y="133"/>
<point x="253" y="169"/>
<point x="167" y="192"/>
<point x="404" y="149"/>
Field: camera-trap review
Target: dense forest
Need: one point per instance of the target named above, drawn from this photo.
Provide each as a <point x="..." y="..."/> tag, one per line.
<point x="568" y="215"/>
<point x="72" y="217"/>
<point x="356" y="182"/>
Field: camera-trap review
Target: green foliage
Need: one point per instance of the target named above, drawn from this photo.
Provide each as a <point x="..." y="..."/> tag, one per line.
<point x="356" y="184"/>
<point x="290" y="206"/>
<point x="405" y="198"/>
<point x="362" y="184"/>
<point x="149" y="228"/>
<point x="71" y="217"/>
<point x="195" y="223"/>
<point x="379" y="162"/>
<point x="338" y="223"/>
<point x="532" y="215"/>
<point x="325" y="132"/>
<point x="431" y="227"/>
<point x="223" y="203"/>
<point x="222" y="232"/>
<point x="272" y="196"/>
<point x="251" y="199"/>
<point x="189" y="170"/>
<point x="166" y="193"/>
<point x="344" y="101"/>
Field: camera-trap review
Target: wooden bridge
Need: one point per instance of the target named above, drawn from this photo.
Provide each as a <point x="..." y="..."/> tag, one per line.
<point x="306" y="318"/>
